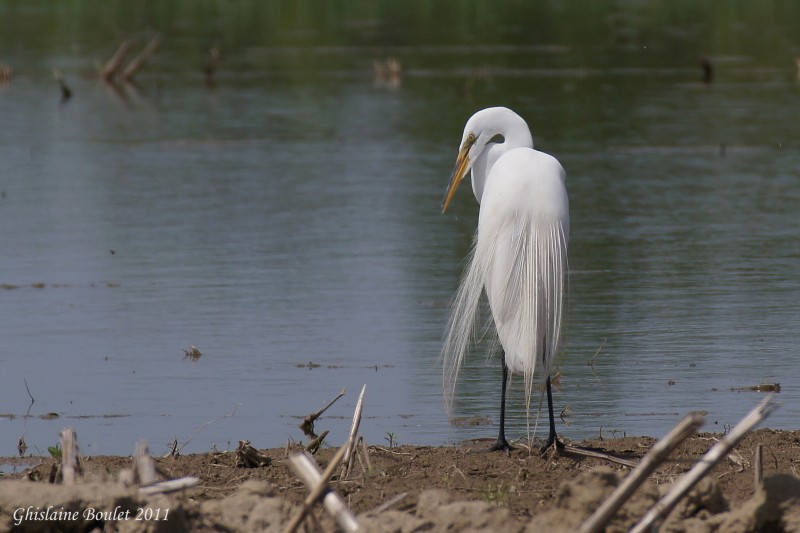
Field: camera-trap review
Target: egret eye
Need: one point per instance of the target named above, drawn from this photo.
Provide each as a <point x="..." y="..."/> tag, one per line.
<point x="469" y="141"/>
<point x="499" y="139"/>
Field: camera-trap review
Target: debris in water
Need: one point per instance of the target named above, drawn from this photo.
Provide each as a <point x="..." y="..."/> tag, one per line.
<point x="192" y="353"/>
<point x="762" y="387"/>
<point x="66" y="92"/>
<point x="22" y="446"/>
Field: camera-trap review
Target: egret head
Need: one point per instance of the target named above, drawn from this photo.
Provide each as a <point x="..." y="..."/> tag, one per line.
<point x="493" y="130"/>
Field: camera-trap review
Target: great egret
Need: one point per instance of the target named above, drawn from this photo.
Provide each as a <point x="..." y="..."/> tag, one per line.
<point x="519" y="257"/>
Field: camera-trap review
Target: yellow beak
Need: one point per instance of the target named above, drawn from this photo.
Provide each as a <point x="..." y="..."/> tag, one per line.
<point x="463" y="165"/>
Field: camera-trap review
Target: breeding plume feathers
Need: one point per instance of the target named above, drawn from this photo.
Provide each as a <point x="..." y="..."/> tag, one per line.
<point x="460" y="332"/>
<point x="536" y="265"/>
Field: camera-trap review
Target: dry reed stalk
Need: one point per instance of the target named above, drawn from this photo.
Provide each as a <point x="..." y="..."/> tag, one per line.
<point x="351" y="441"/>
<point x="758" y="471"/>
<point x="70" y="458"/>
<point x="584" y="452"/>
<point x="654" y="457"/>
<point x="314" y="444"/>
<point x="112" y="66"/>
<point x="173" y="451"/>
<point x="144" y="464"/>
<point x="306" y="469"/>
<point x="173" y="485"/>
<point x="663" y="507"/>
<point x="365" y="451"/>
<point x="201" y="428"/>
<point x="388" y="503"/>
<point x="140" y="60"/>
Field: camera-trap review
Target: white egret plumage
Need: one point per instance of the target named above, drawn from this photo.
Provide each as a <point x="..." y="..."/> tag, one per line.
<point x="519" y="257"/>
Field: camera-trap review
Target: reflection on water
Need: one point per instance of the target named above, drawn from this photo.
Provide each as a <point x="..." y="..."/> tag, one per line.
<point x="292" y="217"/>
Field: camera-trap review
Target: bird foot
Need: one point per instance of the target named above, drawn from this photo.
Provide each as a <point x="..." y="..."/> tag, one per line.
<point x="501" y="445"/>
<point x="552" y="444"/>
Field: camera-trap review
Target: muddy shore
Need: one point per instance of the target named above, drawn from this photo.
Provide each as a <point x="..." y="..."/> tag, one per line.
<point x="460" y="488"/>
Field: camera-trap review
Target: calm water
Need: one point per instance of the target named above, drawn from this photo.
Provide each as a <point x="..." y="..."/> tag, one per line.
<point x="291" y="215"/>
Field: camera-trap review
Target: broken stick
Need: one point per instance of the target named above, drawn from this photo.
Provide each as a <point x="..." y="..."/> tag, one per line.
<point x="351" y="441"/>
<point x="314" y="444"/>
<point x="388" y="503"/>
<point x="140" y="60"/>
<point x="308" y="422"/>
<point x="306" y="469"/>
<point x="654" y="457"/>
<point x="145" y="467"/>
<point x="70" y="458"/>
<point x="172" y="485"/>
<point x="248" y="457"/>
<point x="113" y="64"/>
<point x="663" y="507"/>
<point x="586" y="452"/>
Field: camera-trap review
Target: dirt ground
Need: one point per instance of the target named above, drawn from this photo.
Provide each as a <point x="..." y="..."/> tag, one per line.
<point x="460" y="488"/>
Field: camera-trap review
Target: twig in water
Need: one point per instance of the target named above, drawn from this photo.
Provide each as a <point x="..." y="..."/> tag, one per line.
<point x="657" y="454"/>
<point x="25" y="381"/>
<point x="212" y="65"/>
<point x="663" y="507"/>
<point x="6" y="74"/>
<point x="308" y="422"/>
<point x="66" y="92"/>
<point x="590" y="362"/>
<point x="305" y="468"/>
<point x="112" y="66"/>
<point x="201" y="428"/>
<point x="140" y="60"/>
<point x="22" y="446"/>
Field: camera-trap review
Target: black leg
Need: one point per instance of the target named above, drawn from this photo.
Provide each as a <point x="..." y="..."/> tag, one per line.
<point x="502" y="443"/>
<point x="552" y="439"/>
